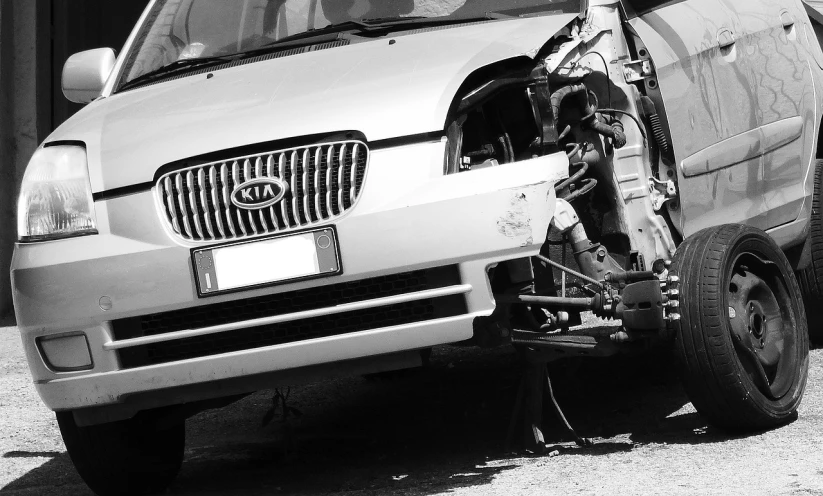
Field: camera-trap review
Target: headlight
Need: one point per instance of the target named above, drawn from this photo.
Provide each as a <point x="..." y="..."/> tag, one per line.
<point x="55" y="197"/>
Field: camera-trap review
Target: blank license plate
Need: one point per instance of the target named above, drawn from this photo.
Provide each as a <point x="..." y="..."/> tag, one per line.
<point x="266" y="262"/>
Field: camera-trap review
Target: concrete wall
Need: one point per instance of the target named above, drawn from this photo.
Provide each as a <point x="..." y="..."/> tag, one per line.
<point x="20" y="125"/>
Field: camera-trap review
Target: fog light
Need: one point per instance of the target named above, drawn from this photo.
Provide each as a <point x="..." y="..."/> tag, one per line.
<point x="66" y="353"/>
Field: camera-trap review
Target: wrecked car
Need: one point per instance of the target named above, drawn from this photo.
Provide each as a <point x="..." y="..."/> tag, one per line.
<point x="265" y="192"/>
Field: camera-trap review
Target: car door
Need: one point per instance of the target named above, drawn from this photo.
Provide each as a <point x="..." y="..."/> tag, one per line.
<point x="707" y="84"/>
<point x="785" y="95"/>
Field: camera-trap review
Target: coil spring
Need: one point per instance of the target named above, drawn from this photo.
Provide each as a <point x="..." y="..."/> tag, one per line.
<point x="659" y="134"/>
<point x="577" y="184"/>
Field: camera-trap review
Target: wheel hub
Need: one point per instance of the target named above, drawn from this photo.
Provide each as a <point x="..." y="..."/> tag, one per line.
<point x="757" y="322"/>
<point x="757" y="306"/>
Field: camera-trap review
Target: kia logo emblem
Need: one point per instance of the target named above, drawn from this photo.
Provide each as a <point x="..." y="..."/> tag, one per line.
<point x="259" y="193"/>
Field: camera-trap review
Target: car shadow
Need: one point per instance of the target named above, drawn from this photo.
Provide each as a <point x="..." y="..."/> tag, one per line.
<point x="7" y="320"/>
<point x="425" y="431"/>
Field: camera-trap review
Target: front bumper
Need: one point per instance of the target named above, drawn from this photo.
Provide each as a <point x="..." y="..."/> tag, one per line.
<point x="409" y="217"/>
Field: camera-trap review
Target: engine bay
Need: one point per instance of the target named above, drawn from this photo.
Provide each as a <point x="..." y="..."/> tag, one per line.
<point x="589" y="93"/>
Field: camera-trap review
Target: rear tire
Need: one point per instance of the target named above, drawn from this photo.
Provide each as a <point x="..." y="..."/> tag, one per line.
<point x="129" y="457"/>
<point x="811" y="278"/>
<point x="742" y="341"/>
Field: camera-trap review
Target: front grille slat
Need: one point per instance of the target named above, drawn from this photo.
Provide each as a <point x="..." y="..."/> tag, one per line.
<point x="324" y="181"/>
<point x="258" y="172"/>
<point x="276" y="224"/>
<point x="318" y="158"/>
<point x="195" y="210"/>
<point x="341" y="173"/>
<point x="171" y="210"/>
<point x="322" y="166"/>
<point x="235" y="177"/>
<point x="305" y="179"/>
<point x="218" y="217"/>
<point x="355" y="158"/>
<point x="204" y="201"/>
<point x="284" y="209"/>
<point x="227" y="205"/>
<point x="360" y="170"/>
<point x="293" y="203"/>
<point x="329" y="168"/>
<point x="247" y="176"/>
<point x="181" y="202"/>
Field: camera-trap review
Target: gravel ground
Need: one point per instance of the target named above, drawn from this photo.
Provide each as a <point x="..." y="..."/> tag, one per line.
<point x="441" y="430"/>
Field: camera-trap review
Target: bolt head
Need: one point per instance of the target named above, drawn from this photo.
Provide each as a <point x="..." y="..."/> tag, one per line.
<point x="673" y="294"/>
<point x="673" y="280"/>
<point x="673" y="317"/>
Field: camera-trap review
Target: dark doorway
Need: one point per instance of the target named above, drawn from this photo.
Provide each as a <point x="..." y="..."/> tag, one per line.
<point x="78" y="25"/>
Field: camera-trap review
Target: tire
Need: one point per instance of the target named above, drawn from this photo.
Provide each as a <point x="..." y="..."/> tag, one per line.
<point x="739" y="303"/>
<point x="811" y="278"/>
<point x="128" y="457"/>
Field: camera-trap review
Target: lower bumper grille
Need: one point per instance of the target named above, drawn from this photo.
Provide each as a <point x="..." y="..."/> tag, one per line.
<point x="286" y="303"/>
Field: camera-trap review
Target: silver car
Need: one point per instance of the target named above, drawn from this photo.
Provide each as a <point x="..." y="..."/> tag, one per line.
<point x="264" y="192"/>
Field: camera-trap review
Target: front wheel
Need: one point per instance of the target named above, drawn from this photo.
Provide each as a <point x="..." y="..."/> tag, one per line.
<point x="130" y="457"/>
<point x="742" y="340"/>
<point x="811" y="278"/>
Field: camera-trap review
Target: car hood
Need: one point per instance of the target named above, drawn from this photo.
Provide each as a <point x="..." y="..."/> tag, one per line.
<point x="380" y="88"/>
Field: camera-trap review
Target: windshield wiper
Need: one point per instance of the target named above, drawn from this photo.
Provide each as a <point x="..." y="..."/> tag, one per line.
<point x="379" y="22"/>
<point x="324" y="32"/>
<point x="176" y="67"/>
<point x="376" y="26"/>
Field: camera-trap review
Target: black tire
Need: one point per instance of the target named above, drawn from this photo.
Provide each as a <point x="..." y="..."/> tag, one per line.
<point x="811" y="278"/>
<point x="741" y="341"/>
<point x="128" y="457"/>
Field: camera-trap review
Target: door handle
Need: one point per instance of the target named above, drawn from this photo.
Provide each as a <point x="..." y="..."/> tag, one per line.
<point x="725" y="39"/>
<point x="787" y="20"/>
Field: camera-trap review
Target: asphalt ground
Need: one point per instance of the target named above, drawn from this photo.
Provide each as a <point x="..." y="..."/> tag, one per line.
<point x="441" y="430"/>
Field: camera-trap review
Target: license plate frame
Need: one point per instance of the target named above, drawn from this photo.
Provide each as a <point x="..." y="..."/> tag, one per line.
<point x="208" y="263"/>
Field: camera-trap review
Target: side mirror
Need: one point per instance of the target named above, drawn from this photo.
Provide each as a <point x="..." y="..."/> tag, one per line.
<point x="85" y="74"/>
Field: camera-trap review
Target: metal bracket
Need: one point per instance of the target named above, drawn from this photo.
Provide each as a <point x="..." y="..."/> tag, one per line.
<point x="637" y="70"/>
<point x="661" y="192"/>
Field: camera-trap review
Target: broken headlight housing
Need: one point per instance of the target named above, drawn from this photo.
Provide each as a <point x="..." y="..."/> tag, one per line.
<point x="55" y="196"/>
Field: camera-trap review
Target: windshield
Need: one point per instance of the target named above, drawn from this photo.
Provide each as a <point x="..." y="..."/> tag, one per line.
<point x="183" y="30"/>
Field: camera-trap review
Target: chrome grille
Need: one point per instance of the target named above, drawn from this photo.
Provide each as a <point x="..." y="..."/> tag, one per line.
<point x="324" y="182"/>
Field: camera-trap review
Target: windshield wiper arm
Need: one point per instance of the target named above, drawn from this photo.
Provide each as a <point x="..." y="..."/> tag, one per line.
<point x="324" y="32"/>
<point x="178" y="66"/>
<point x="392" y="22"/>
<point x="370" y="26"/>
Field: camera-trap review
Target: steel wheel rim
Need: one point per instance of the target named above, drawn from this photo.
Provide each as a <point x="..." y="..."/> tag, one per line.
<point x="762" y="321"/>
